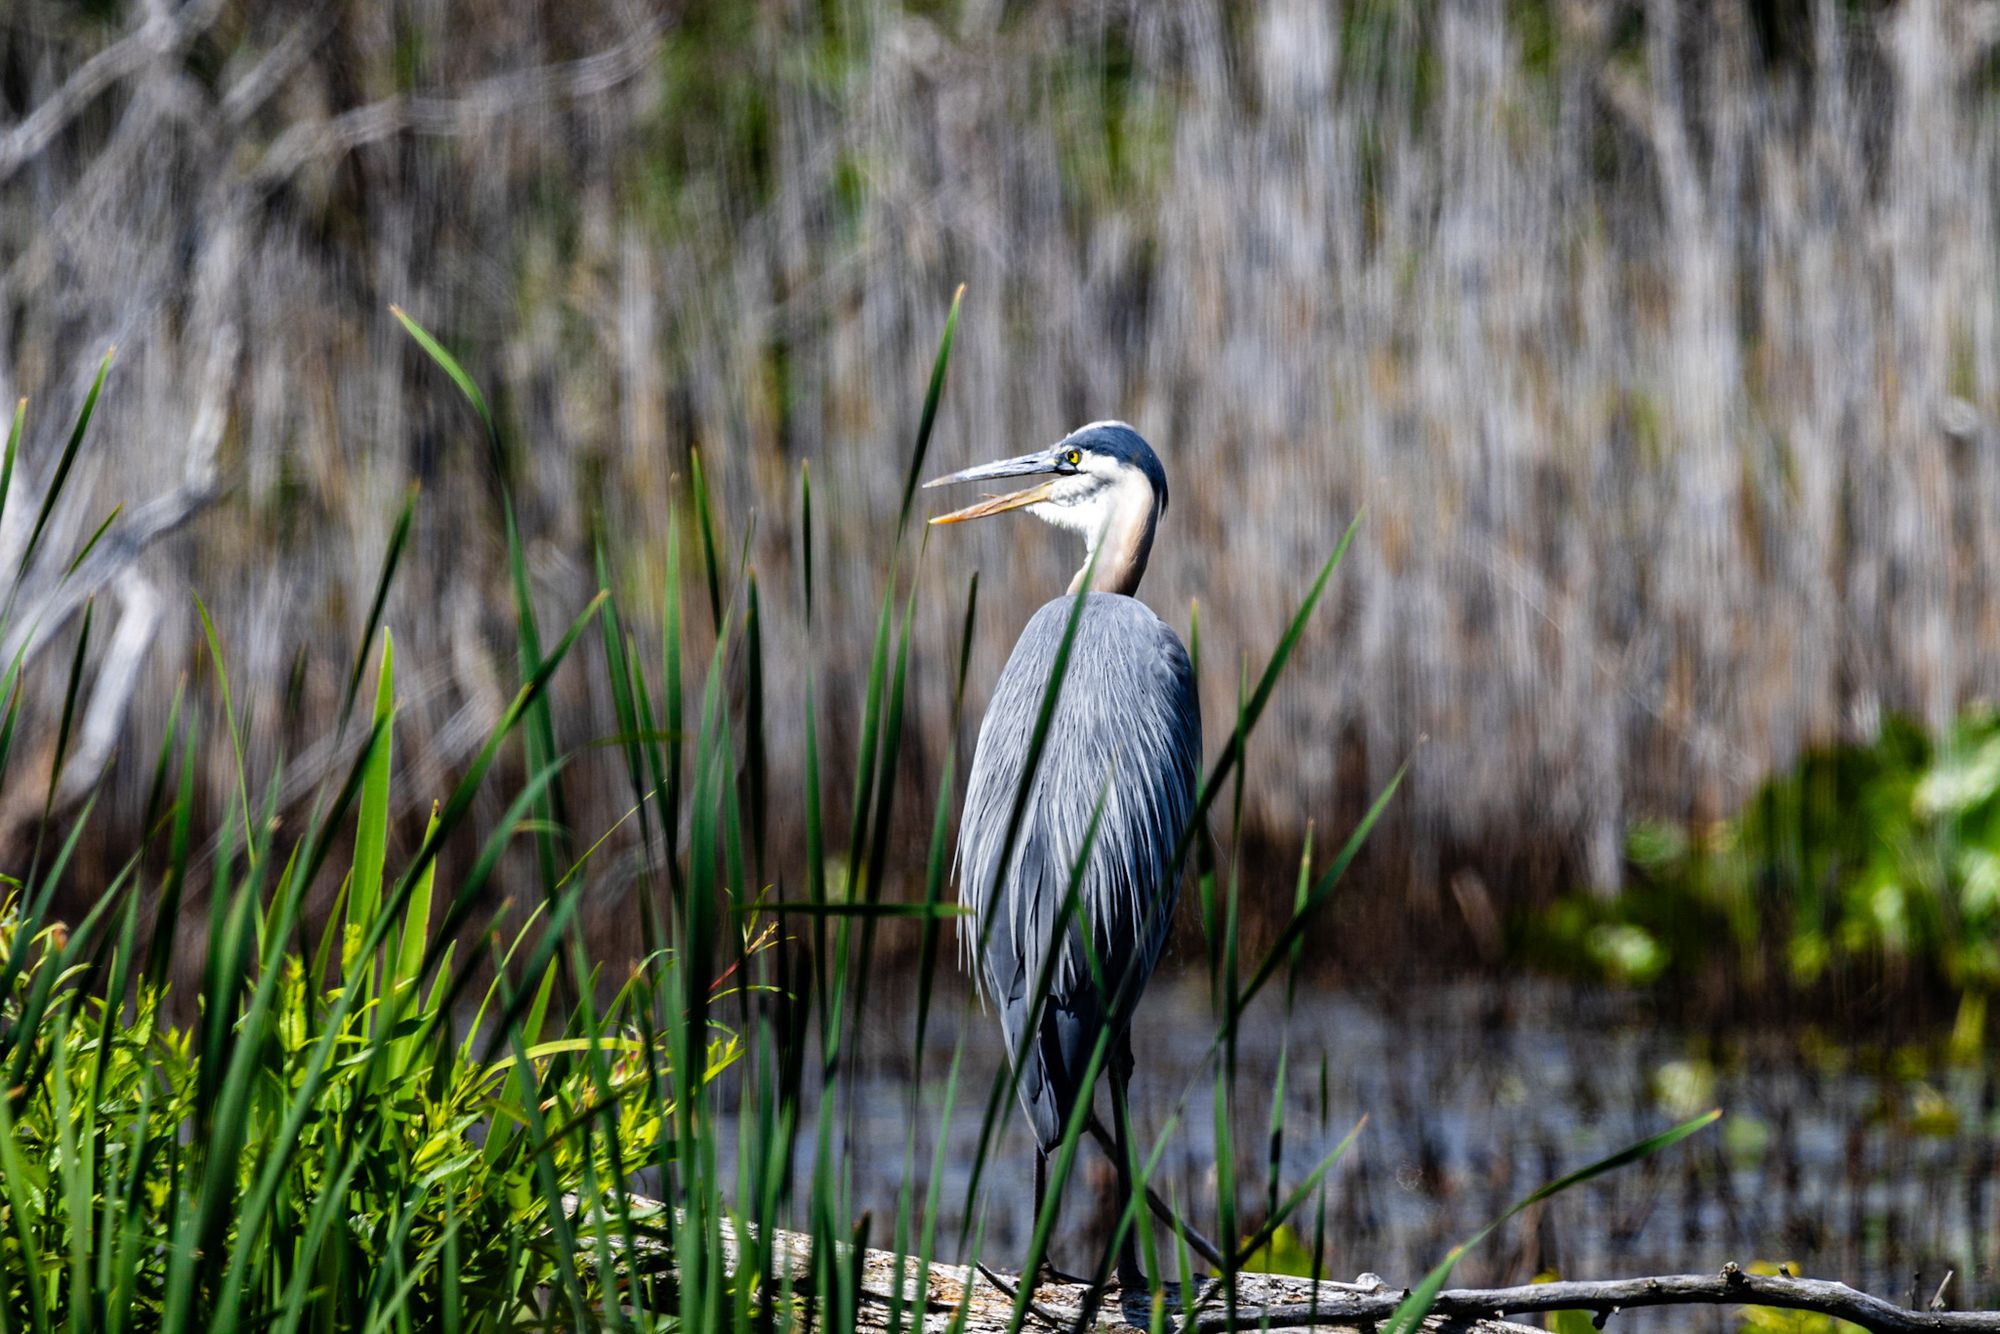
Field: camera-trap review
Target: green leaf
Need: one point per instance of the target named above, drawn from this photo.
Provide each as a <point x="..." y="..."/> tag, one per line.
<point x="407" y="972"/>
<point x="371" y="830"/>
<point x="449" y="364"/>
<point x="399" y="536"/>
<point x="229" y="716"/>
<point x="929" y="419"/>
<point x="63" y="464"/>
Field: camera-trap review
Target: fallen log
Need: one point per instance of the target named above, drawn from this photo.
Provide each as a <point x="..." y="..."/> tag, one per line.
<point x="893" y="1290"/>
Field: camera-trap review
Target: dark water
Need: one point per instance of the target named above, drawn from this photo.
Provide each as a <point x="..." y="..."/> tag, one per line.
<point x="1875" y="1167"/>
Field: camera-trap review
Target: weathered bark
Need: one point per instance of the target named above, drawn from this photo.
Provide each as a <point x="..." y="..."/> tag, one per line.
<point x="888" y="1290"/>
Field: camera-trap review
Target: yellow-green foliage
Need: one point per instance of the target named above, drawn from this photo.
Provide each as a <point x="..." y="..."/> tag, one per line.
<point x="443" y="1172"/>
<point x="1880" y="861"/>
<point x="1771" y="1320"/>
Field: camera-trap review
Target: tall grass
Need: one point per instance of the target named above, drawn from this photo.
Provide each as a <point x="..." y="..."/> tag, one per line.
<point x="377" y="1119"/>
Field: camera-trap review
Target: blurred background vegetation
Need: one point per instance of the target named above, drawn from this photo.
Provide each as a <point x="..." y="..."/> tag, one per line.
<point x="1659" y="340"/>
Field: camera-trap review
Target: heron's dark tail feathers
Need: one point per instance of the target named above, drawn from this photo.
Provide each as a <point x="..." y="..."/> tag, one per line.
<point x="1199" y="1244"/>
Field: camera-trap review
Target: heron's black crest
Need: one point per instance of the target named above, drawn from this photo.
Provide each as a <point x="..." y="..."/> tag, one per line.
<point x="1119" y="441"/>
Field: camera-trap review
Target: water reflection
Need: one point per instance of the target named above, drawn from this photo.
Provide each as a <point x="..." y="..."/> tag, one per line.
<point x="1873" y="1167"/>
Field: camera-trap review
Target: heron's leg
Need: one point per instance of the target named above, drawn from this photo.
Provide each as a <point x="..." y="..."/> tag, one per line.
<point x="1130" y="1276"/>
<point x="1049" y="1271"/>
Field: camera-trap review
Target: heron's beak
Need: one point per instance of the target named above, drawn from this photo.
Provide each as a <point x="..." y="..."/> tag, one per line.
<point x="1026" y="465"/>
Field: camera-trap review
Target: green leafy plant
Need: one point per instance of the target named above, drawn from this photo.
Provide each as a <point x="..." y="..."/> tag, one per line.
<point x="1873" y="862"/>
<point x="335" y="1132"/>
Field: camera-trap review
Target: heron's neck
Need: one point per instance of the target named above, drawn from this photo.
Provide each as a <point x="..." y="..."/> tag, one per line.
<point x="1122" y="543"/>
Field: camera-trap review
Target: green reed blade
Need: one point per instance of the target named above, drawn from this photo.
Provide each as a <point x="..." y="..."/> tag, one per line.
<point x="1410" y="1312"/>
<point x="887" y="767"/>
<point x="10" y="686"/>
<point x="12" y="452"/>
<point x="399" y="536"/>
<point x="123" y="959"/>
<point x="406" y="973"/>
<point x="72" y="690"/>
<point x="1294" y="930"/>
<point x="929" y="419"/>
<point x="538" y="737"/>
<point x="465" y="898"/>
<point x="371" y="830"/>
<point x="449" y="364"/>
<point x="228" y="714"/>
<point x="1282" y="1210"/>
<point x="1038" y="1242"/>
<point x="672" y="702"/>
<point x="1253" y="708"/>
<point x="705" y="522"/>
<point x="90" y="543"/>
<point x="1038" y="738"/>
<point x="28" y="926"/>
<point x="806" y="536"/>
<point x="1007" y="1081"/>
<point x="621" y="666"/>
<point x="816" y="850"/>
<point x="180" y="841"/>
<point x="937" y="872"/>
<point x="1037" y="742"/>
<point x="74" y="1185"/>
<point x="18" y="1183"/>
<point x="313" y="1077"/>
<point x="293" y="1307"/>
<point x="937" y="868"/>
<point x="63" y="465"/>
<point x="869" y="740"/>
<point x="756" y="756"/>
<point x="162" y="763"/>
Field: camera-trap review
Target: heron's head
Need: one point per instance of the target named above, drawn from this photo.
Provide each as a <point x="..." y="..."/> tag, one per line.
<point x="1102" y="481"/>
<point x="1085" y="477"/>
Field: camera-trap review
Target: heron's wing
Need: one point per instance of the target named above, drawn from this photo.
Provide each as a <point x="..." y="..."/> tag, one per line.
<point x="1126" y="732"/>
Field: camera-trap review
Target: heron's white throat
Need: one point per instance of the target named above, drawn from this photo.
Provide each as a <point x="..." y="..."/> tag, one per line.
<point x="1113" y="508"/>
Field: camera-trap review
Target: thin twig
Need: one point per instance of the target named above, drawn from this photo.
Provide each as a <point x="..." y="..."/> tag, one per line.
<point x="1268" y="1301"/>
<point x="1053" y="1319"/>
<point x="1732" y="1287"/>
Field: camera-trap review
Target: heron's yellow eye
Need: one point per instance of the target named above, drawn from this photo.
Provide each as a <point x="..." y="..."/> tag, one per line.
<point x="1075" y="458"/>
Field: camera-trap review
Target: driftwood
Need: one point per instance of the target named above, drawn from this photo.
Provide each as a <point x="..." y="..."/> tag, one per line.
<point x="1731" y="1287"/>
<point x="887" y="1289"/>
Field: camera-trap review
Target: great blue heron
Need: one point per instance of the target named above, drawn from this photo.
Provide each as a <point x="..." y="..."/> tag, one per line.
<point x="1127" y="731"/>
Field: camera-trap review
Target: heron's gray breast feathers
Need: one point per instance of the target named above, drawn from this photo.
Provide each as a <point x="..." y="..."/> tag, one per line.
<point x="1126" y="730"/>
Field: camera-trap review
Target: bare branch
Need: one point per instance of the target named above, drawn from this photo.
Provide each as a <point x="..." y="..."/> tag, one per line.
<point x="117" y="679"/>
<point x="590" y="76"/>
<point x="269" y="73"/>
<point x="1732" y="1287"/>
<point x="39" y="618"/>
<point x="160" y="35"/>
<point x="1276" y="1301"/>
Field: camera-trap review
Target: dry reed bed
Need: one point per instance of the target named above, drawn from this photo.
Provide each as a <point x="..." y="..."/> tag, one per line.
<point x="1661" y="348"/>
